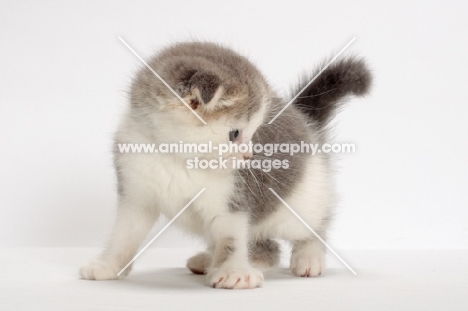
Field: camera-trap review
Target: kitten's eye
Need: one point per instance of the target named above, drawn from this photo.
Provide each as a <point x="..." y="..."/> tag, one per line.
<point x="233" y="134"/>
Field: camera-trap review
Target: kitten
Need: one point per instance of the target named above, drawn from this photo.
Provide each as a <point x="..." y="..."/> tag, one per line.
<point x="237" y="215"/>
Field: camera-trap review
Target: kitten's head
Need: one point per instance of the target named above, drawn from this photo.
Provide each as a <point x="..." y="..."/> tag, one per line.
<point x="222" y="87"/>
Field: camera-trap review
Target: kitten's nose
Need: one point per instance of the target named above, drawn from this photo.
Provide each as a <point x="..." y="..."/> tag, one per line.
<point x="247" y="156"/>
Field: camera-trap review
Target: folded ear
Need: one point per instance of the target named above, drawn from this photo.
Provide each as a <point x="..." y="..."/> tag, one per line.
<point x="205" y="86"/>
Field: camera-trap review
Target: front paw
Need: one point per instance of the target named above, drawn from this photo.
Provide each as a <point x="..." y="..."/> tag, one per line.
<point x="99" y="269"/>
<point x="306" y="265"/>
<point x="235" y="278"/>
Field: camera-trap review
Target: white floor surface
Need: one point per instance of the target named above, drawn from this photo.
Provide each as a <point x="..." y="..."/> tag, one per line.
<point x="47" y="279"/>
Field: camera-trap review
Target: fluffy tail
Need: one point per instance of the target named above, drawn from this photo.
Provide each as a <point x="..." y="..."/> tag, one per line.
<point x="321" y="100"/>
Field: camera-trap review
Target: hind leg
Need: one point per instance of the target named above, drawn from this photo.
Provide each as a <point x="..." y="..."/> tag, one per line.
<point x="307" y="258"/>
<point x="264" y="254"/>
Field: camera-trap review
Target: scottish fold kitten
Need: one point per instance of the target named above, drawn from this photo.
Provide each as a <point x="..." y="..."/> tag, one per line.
<point x="237" y="214"/>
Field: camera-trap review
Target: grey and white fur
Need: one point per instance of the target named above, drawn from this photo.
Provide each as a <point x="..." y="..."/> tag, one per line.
<point x="238" y="216"/>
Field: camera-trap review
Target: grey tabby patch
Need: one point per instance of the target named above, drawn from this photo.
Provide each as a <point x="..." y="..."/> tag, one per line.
<point x="199" y="71"/>
<point x="264" y="253"/>
<point x="305" y="120"/>
<point x="253" y="194"/>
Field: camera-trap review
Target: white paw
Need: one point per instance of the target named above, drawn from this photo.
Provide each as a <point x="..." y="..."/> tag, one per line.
<point x="306" y="264"/>
<point x="98" y="269"/>
<point x="199" y="263"/>
<point x="235" y="278"/>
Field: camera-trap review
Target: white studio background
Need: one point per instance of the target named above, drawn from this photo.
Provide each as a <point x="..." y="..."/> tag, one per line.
<point x="64" y="76"/>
